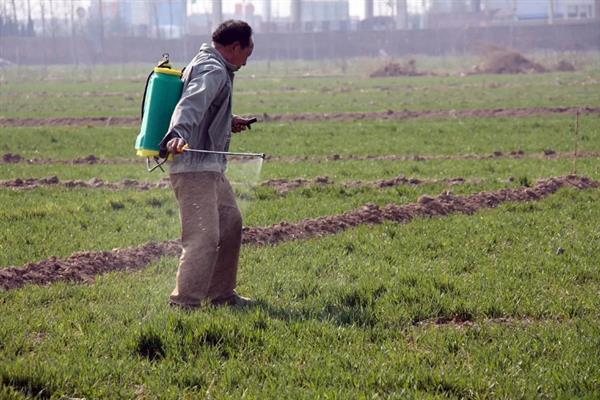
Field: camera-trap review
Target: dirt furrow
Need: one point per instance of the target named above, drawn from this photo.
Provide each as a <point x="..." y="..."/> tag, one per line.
<point x="94" y="183"/>
<point x="402" y="115"/>
<point x="468" y="321"/>
<point x="83" y="266"/>
<point x="334" y="116"/>
<point x="427" y="206"/>
<point x="11" y="158"/>
<point x="282" y="186"/>
<point x="515" y="154"/>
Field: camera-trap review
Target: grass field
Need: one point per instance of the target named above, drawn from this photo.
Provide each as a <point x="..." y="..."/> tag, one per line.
<point x="117" y="90"/>
<point x="502" y="303"/>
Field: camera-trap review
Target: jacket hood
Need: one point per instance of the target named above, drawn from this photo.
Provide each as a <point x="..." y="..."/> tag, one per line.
<point x="209" y="50"/>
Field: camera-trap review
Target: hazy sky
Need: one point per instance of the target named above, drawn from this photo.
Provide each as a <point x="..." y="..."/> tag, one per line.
<point x="278" y="7"/>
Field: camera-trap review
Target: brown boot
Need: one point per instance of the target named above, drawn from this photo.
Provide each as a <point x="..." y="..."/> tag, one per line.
<point x="235" y="300"/>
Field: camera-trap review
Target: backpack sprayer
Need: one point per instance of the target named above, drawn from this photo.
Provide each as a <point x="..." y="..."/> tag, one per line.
<point x="161" y="94"/>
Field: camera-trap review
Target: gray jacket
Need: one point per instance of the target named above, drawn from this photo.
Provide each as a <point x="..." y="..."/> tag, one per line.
<point x="203" y="115"/>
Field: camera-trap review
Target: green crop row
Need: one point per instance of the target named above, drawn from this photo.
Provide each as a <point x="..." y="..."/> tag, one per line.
<point x="499" y="304"/>
<point x="66" y="97"/>
<point x="58" y="222"/>
<point x="339" y="171"/>
<point x="346" y="316"/>
<point x="407" y="137"/>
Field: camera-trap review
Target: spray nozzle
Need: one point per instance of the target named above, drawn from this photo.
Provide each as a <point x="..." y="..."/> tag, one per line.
<point x="164" y="62"/>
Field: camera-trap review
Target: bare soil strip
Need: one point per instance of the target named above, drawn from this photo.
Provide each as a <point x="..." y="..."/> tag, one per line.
<point x="427" y="206"/>
<point x="468" y="321"/>
<point x="94" y="183"/>
<point x="83" y="266"/>
<point x="66" y="121"/>
<point x="336" y="116"/>
<point x="11" y="158"/>
<point x="282" y="186"/>
<point x="516" y="154"/>
<point x="402" y="115"/>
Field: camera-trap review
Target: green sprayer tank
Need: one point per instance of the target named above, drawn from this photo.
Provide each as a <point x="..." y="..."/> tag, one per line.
<point x="163" y="91"/>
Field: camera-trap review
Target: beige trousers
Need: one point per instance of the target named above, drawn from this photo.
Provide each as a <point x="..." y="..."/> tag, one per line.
<point x="211" y="225"/>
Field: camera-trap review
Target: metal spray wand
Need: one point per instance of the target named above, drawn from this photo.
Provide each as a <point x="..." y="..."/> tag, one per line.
<point x="227" y="153"/>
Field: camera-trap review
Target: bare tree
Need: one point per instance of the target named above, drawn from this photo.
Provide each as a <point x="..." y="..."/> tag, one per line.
<point x="29" y="20"/>
<point x="101" y="25"/>
<point x="74" y="54"/>
<point x="368" y="9"/>
<point x="43" y="10"/>
<point x="401" y="14"/>
<point x="217" y="13"/>
<point x="296" y="13"/>
<point x="53" y="24"/>
<point x="156" y="20"/>
<point x="14" y="7"/>
<point x="170" y="19"/>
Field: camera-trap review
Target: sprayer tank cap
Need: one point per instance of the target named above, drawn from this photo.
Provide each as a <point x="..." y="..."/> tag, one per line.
<point x="167" y="71"/>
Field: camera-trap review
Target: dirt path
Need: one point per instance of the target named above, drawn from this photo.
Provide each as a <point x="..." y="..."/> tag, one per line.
<point x="11" y="158"/>
<point x="83" y="266"/>
<point x="334" y="116"/>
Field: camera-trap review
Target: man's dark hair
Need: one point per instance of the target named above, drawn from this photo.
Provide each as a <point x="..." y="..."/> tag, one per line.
<point x="233" y="31"/>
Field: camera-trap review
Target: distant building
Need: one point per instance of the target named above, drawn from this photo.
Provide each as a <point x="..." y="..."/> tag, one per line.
<point x="325" y="15"/>
<point x="540" y="10"/>
<point x="463" y="13"/>
<point x="163" y="18"/>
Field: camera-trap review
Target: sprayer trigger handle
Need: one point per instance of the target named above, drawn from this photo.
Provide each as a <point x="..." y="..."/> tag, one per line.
<point x="250" y="122"/>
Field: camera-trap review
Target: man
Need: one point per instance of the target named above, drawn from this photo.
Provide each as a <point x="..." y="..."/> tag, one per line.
<point x="210" y="218"/>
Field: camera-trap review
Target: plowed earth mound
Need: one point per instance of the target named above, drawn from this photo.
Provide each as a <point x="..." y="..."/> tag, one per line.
<point x="9" y="158"/>
<point x="31" y="183"/>
<point x="396" y="69"/>
<point x="565" y="66"/>
<point x="339" y="116"/>
<point x="83" y="266"/>
<point x="65" y="121"/>
<point x="402" y="115"/>
<point x="283" y="186"/>
<point x="508" y="62"/>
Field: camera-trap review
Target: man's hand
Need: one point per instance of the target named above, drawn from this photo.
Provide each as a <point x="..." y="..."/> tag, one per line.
<point x="176" y="145"/>
<point x="239" y="124"/>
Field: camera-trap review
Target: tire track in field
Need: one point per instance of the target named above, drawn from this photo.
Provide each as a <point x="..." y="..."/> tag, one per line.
<point x="333" y="116"/>
<point x="11" y="158"/>
<point x="83" y="266"/>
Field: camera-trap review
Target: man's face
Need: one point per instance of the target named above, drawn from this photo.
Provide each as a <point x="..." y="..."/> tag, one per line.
<point x="240" y="54"/>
